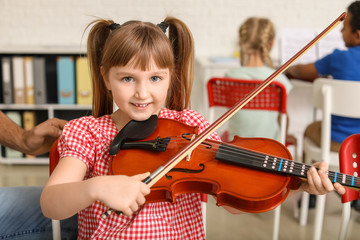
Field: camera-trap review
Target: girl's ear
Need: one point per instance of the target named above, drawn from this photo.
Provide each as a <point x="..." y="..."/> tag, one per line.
<point x="106" y="81"/>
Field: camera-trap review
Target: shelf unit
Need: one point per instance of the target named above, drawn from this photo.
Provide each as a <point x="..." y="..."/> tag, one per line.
<point x="52" y="110"/>
<point x="43" y="111"/>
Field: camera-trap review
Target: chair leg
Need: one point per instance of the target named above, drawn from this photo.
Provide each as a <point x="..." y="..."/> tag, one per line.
<point x="304" y="208"/>
<point x="276" y="223"/>
<point x="203" y="209"/>
<point x="319" y="216"/>
<point x="345" y="219"/>
<point x="56" y="229"/>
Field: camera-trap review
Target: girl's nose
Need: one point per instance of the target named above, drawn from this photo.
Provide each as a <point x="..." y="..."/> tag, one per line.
<point x="142" y="90"/>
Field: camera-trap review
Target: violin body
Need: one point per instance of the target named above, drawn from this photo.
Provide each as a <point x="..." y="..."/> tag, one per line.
<point x="243" y="188"/>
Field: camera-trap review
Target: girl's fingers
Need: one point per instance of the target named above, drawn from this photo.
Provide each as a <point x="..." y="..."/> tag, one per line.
<point x="315" y="181"/>
<point x="310" y="177"/>
<point x="127" y="211"/>
<point x="326" y="183"/>
<point x="339" y="188"/>
<point x="140" y="200"/>
<point x="141" y="176"/>
<point x="134" y="206"/>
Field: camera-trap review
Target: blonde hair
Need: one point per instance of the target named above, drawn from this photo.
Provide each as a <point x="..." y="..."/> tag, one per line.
<point x="141" y="41"/>
<point x="256" y="35"/>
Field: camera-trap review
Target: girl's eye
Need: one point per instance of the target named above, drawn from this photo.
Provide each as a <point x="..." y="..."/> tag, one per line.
<point x="127" y="79"/>
<point x="155" y="79"/>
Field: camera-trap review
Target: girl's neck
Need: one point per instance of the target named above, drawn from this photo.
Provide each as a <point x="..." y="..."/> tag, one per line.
<point x="119" y="121"/>
<point x="255" y="60"/>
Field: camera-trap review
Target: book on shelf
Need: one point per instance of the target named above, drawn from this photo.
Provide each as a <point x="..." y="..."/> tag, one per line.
<point x="83" y="82"/>
<point x="66" y="80"/>
<point x="15" y="116"/>
<point x="45" y="79"/>
<point x="29" y="80"/>
<point x="18" y="80"/>
<point x="39" y="80"/>
<point x="29" y="122"/>
<point x="7" y="88"/>
<point x="51" y="79"/>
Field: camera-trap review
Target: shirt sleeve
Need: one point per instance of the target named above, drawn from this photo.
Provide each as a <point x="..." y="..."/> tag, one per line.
<point x="77" y="141"/>
<point x="324" y="65"/>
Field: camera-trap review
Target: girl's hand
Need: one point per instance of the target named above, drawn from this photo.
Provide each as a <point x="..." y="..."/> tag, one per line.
<point x="318" y="182"/>
<point x="122" y="193"/>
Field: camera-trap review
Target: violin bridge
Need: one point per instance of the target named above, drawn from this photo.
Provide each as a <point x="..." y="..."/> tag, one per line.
<point x="187" y="158"/>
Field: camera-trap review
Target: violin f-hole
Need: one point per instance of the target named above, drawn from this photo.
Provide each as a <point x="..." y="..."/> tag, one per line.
<point x="185" y="170"/>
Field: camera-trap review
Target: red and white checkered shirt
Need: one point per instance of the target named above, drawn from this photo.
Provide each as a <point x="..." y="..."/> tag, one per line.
<point x="89" y="139"/>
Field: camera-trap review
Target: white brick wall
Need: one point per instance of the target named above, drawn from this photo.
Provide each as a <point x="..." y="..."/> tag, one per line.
<point x="214" y="23"/>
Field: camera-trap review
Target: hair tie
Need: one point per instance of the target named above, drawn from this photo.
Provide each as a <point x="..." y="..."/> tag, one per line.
<point x="163" y="26"/>
<point x="114" y="26"/>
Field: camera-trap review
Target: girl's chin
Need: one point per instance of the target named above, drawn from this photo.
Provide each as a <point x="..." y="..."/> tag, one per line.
<point x="143" y="117"/>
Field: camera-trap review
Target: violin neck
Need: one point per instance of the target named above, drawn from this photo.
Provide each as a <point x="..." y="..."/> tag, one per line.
<point x="265" y="162"/>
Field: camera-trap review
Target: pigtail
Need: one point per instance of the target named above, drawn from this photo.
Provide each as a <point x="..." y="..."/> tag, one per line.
<point x="244" y="43"/>
<point x="266" y="36"/>
<point x="102" y="97"/>
<point x="183" y="74"/>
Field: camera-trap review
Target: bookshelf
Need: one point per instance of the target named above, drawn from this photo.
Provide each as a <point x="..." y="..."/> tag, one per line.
<point x="50" y="106"/>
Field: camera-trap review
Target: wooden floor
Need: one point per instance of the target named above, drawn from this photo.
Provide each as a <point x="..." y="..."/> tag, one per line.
<point x="220" y="223"/>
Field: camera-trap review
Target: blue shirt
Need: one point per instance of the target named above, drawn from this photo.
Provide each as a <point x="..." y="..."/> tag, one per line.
<point x="342" y="65"/>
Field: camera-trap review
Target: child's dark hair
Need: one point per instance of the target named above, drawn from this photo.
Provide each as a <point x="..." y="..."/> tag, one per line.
<point x="111" y="44"/>
<point x="354" y="9"/>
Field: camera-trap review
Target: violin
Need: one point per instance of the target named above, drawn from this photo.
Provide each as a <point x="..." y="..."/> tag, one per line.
<point x="214" y="168"/>
<point x="249" y="174"/>
<point x="185" y="166"/>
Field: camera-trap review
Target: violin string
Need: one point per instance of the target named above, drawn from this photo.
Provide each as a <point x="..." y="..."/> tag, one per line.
<point x="254" y="156"/>
<point x="243" y="152"/>
<point x="259" y="156"/>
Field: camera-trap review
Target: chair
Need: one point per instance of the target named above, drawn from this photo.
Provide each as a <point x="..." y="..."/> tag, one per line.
<point x="331" y="97"/>
<point x="54" y="159"/>
<point x="225" y="92"/>
<point x="349" y="161"/>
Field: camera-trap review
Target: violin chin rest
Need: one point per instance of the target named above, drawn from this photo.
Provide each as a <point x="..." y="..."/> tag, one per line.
<point x="133" y="131"/>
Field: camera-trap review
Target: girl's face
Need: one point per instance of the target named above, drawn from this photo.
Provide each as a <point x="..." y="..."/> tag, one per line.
<point x="137" y="93"/>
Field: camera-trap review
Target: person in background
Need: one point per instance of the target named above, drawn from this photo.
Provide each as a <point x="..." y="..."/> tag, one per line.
<point x="20" y="212"/>
<point x="144" y="72"/>
<point x="256" y="39"/>
<point x="340" y="65"/>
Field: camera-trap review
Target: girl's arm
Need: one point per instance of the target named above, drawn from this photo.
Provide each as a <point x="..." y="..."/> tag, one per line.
<point x="66" y="193"/>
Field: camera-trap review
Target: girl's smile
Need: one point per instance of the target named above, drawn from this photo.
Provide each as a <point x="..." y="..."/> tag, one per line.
<point x="137" y="93"/>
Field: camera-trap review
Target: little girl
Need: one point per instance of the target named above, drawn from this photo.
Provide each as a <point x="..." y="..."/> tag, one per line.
<point x="256" y="38"/>
<point x="142" y="70"/>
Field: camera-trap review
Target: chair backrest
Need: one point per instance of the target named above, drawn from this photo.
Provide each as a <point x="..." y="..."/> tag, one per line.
<point x="53" y="156"/>
<point x="349" y="161"/>
<point x="226" y="92"/>
<point x="337" y="97"/>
